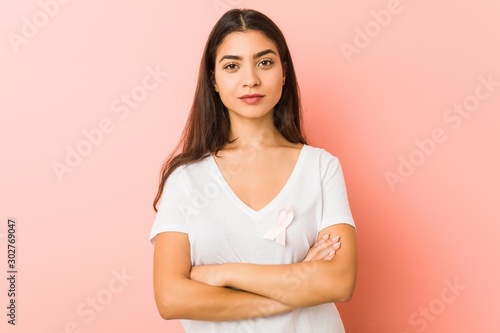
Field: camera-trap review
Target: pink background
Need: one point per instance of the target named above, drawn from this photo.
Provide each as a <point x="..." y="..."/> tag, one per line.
<point x="436" y="227"/>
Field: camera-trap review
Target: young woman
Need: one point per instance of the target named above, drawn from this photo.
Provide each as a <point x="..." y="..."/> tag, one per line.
<point x="248" y="229"/>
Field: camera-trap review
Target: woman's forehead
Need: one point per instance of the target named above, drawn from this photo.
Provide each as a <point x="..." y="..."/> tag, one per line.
<point x="244" y="43"/>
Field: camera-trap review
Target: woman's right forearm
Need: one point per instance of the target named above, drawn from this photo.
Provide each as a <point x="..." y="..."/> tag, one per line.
<point x="188" y="299"/>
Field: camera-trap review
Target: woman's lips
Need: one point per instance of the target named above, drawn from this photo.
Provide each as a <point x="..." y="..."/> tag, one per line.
<point x="251" y="99"/>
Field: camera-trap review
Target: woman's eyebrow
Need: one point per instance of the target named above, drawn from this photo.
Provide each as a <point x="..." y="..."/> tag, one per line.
<point x="263" y="53"/>
<point x="231" y="57"/>
<point x="257" y="55"/>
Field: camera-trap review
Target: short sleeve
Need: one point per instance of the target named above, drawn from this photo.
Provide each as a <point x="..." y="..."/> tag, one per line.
<point x="335" y="203"/>
<point x="170" y="215"/>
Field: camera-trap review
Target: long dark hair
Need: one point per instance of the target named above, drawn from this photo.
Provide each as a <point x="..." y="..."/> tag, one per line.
<point x="207" y="128"/>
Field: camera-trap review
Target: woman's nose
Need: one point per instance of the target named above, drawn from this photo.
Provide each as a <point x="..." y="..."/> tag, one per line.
<point x="250" y="78"/>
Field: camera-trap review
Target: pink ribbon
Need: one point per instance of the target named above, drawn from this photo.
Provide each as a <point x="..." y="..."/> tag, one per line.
<point x="278" y="231"/>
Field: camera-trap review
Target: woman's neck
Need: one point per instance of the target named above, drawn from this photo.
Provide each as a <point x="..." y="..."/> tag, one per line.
<point x="255" y="133"/>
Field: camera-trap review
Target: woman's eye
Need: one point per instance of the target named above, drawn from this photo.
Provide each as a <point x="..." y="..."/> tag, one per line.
<point x="266" y="63"/>
<point x="231" y="66"/>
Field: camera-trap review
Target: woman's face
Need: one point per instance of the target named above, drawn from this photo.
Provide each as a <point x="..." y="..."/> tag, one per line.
<point x="248" y="74"/>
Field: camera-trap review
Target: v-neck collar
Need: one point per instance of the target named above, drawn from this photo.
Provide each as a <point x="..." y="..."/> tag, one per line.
<point x="256" y="214"/>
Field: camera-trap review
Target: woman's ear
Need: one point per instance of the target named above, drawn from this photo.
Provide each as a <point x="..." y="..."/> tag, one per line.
<point x="284" y="68"/>
<point x="212" y="78"/>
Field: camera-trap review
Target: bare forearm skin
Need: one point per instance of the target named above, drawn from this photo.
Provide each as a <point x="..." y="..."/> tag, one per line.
<point x="297" y="285"/>
<point x="188" y="299"/>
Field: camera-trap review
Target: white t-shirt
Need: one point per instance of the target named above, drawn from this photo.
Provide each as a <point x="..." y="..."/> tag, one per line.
<point x="198" y="201"/>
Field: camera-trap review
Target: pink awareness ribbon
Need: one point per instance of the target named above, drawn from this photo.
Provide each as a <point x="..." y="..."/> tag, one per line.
<point x="278" y="231"/>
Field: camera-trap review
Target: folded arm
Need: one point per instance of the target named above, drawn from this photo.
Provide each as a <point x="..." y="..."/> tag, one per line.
<point x="179" y="297"/>
<point x="297" y="285"/>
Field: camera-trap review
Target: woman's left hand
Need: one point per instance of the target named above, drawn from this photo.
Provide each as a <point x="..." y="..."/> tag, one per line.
<point x="324" y="249"/>
<point x="212" y="275"/>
